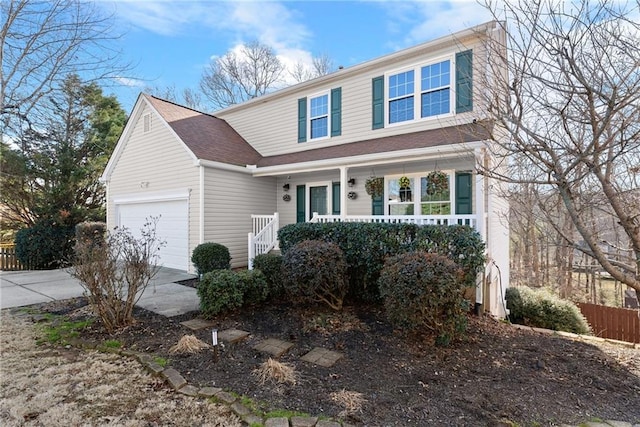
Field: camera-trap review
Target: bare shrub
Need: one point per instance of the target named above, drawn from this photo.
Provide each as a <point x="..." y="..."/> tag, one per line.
<point x="116" y="273"/>
<point x="188" y="344"/>
<point x="351" y="401"/>
<point x="277" y="372"/>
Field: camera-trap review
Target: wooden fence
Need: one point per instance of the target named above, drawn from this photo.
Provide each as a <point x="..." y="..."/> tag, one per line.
<point x="8" y="260"/>
<point x="612" y="322"/>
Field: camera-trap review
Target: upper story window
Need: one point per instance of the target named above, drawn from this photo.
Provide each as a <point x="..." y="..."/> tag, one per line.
<point x="435" y="89"/>
<point x="424" y="90"/>
<point x="401" y="90"/>
<point x="431" y="98"/>
<point x="319" y="116"/>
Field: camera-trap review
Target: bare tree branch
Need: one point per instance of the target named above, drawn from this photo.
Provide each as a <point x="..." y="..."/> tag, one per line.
<point x="571" y="118"/>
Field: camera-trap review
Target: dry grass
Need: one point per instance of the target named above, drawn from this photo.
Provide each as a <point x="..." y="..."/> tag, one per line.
<point x="351" y="401"/>
<point x="277" y="372"/>
<point x="189" y="344"/>
<point x="331" y="323"/>
<point x="56" y="386"/>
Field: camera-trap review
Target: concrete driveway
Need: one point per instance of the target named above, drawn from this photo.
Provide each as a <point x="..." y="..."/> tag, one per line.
<point x="162" y="296"/>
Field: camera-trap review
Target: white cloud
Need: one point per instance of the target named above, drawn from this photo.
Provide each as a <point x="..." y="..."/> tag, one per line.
<point x="272" y="23"/>
<point x="129" y="82"/>
<point x="425" y="20"/>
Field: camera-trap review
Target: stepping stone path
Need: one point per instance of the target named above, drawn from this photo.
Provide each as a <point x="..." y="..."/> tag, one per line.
<point x="273" y="346"/>
<point x="198" y="324"/>
<point x="322" y="356"/>
<point x="232" y="336"/>
<point x="318" y="356"/>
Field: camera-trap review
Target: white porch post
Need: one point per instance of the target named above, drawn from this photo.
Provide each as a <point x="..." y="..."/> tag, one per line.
<point x="343" y="191"/>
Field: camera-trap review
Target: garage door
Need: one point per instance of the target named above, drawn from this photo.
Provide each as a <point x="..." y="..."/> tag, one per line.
<point x="172" y="227"/>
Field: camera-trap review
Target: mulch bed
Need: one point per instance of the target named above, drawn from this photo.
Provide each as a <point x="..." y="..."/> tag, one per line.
<point x="496" y="373"/>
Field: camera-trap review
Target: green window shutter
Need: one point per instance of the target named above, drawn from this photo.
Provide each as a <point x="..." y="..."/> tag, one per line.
<point x="302" y="120"/>
<point x="300" y="203"/>
<point x="378" y="102"/>
<point x="335" y="199"/>
<point x="377" y="205"/>
<point x="336" y="112"/>
<point x="464" y="81"/>
<point x="463" y="193"/>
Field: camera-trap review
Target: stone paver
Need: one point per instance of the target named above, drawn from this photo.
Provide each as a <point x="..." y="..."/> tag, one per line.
<point x="209" y="391"/>
<point x="197" y="324"/>
<point x="327" y="423"/>
<point x="174" y="378"/>
<point x="303" y="421"/>
<point x="232" y="336"/>
<point x="322" y="356"/>
<point x="273" y="346"/>
<point x="277" y="422"/>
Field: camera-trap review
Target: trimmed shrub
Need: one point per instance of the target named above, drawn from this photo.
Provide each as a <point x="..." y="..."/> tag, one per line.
<point x="91" y="233"/>
<point x="254" y="283"/>
<point x="542" y="309"/>
<point x="424" y="291"/>
<point x="366" y="246"/>
<point x="46" y="245"/>
<point x="271" y="267"/>
<point x="315" y="271"/>
<point x="220" y="290"/>
<point x="211" y="256"/>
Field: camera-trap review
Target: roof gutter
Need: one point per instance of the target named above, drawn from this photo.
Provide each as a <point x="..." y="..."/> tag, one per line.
<point x="222" y="166"/>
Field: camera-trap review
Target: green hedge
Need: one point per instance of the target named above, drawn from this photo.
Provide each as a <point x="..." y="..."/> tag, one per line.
<point x="271" y="266"/>
<point x="366" y="246"/>
<point x="424" y="292"/>
<point x="207" y="257"/>
<point x="542" y="309"/>
<point x="315" y="271"/>
<point x="45" y="245"/>
<point x="225" y="290"/>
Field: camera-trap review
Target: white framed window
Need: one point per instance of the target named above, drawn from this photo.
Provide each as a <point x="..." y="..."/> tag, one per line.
<point x="319" y="117"/>
<point x="419" y="92"/>
<point x="417" y="198"/>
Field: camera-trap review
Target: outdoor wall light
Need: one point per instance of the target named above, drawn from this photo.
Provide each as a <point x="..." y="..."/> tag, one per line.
<point x="286" y="187"/>
<point x="351" y="182"/>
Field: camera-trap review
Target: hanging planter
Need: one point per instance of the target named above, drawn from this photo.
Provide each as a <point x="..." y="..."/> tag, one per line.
<point x="405" y="182"/>
<point x="437" y="182"/>
<point x="374" y="186"/>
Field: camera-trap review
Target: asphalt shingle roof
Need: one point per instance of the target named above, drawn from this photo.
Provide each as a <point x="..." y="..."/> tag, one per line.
<point x="211" y="138"/>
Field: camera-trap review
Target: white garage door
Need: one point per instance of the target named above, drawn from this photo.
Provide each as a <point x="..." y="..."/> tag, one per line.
<point x="172" y="227"/>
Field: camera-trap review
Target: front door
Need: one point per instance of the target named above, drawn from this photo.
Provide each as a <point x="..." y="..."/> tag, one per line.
<point x="318" y="200"/>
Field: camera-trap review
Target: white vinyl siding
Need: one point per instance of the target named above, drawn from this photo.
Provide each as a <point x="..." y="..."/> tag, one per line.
<point x="230" y="200"/>
<point x="154" y="162"/>
<point x="271" y="125"/>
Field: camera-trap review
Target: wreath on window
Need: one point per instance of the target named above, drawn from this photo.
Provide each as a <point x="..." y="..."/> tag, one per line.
<point x="437" y="182"/>
<point x="374" y="186"/>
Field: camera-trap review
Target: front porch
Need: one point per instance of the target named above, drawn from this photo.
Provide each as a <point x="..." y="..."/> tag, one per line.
<point x="264" y="237"/>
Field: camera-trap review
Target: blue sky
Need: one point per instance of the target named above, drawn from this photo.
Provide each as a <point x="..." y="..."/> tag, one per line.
<point x="170" y="42"/>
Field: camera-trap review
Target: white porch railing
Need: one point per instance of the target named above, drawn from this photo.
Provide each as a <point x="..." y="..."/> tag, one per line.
<point x="264" y="236"/>
<point x="470" y="220"/>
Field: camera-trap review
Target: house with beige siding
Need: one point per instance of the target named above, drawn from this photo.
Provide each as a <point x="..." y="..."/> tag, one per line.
<point x="306" y="153"/>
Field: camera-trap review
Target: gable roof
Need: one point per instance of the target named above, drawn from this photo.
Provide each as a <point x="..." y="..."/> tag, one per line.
<point x="208" y="137"/>
<point x="429" y="138"/>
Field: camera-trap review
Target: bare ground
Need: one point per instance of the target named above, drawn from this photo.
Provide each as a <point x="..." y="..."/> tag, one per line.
<point x="498" y="374"/>
<point x="47" y="385"/>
